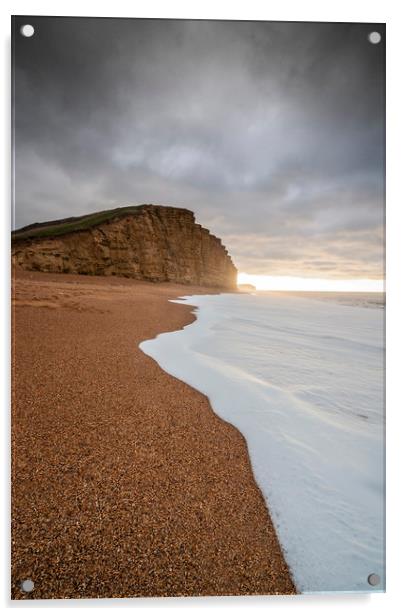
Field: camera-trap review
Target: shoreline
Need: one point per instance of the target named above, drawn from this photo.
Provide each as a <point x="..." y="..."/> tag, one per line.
<point x="125" y="481"/>
<point x="296" y="438"/>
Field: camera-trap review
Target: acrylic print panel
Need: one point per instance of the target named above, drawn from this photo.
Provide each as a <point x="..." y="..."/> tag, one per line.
<point x="198" y="308"/>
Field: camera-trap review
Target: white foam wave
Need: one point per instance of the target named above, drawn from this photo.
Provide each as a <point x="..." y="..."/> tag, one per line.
<point x="303" y="381"/>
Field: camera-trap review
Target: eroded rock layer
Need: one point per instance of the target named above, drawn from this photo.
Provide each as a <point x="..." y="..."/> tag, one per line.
<point x="154" y="243"/>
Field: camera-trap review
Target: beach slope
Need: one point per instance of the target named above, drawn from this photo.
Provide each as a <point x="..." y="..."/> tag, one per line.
<point x="124" y="481"/>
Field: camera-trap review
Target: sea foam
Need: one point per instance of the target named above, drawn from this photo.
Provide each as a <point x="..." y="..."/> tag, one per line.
<point x="303" y="381"/>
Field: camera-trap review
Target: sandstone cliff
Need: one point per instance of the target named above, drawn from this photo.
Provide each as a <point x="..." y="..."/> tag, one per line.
<point x="148" y="242"/>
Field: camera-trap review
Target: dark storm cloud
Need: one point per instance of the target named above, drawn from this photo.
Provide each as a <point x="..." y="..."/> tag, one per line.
<point x="271" y="132"/>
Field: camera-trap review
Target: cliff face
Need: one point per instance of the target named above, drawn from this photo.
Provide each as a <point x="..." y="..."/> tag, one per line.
<point x="156" y="243"/>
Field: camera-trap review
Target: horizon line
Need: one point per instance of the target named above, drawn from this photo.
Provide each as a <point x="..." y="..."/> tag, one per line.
<point x="300" y="283"/>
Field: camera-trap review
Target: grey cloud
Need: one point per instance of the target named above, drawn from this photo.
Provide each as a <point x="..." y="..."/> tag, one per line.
<point x="271" y="132"/>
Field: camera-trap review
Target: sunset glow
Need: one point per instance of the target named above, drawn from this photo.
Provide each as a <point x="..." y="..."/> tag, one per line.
<point x="293" y="283"/>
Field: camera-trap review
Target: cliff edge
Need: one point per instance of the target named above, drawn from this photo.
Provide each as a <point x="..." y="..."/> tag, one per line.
<point x="146" y="242"/>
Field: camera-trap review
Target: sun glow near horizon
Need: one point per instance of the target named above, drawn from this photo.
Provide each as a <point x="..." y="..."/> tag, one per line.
<point x="295" y="283"/>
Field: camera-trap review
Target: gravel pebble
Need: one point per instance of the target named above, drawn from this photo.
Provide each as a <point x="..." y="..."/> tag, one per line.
<point x="124" y="481"/>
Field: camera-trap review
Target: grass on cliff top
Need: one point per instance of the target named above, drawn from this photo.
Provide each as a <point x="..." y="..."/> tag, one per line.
<point x="69" y="225"/>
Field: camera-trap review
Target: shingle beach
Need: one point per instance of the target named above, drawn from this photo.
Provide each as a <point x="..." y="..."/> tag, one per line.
<point x="125" y="483"/>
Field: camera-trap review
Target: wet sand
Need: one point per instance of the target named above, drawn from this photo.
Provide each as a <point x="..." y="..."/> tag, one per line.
<point x="124" y="481"/>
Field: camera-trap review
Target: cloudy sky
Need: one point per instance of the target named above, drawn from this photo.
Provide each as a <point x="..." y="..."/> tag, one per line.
<point x="272" y="133"/>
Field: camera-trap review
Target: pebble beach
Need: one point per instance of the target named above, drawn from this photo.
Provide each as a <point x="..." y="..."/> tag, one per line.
<point x="125" y="483"/>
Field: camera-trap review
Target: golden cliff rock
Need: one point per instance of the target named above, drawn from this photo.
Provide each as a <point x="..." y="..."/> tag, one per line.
<point x="146" y="242"/>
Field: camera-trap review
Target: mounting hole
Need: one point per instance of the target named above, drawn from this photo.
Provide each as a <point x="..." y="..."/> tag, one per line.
<point x="374" y="38"/>
<point x="27" y="30"/>
<point x="373" y="579"/>
<point x="27" y="586"/>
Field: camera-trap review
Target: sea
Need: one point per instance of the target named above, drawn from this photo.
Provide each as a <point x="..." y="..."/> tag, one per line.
<point x="301" y="375"/>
